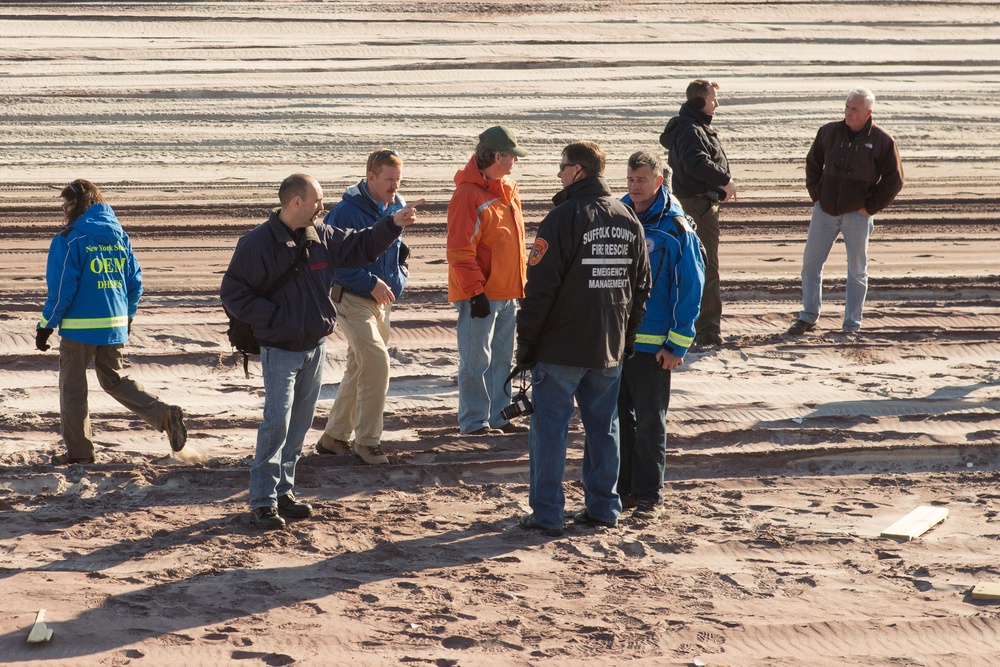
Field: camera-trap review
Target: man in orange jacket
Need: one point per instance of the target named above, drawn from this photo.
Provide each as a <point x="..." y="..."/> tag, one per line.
<point x="486" y="275"/>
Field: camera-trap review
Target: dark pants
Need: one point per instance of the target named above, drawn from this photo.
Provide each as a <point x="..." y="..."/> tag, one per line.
<point x="642" y="417"/>
<point x="706" y="216"/>
<point x="74" y="358"/>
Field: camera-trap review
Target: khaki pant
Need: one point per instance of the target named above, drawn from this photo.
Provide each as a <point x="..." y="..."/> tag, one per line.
<point x="361" y="397"/>
<point x="74" y="359"/>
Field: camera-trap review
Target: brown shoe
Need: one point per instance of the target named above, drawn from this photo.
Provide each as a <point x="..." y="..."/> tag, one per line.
<point x="372" y="455"/>
<point x="329" y="445"/>
<point x="173" y="424"/>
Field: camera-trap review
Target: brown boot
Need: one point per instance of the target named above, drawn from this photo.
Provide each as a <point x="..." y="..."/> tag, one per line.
<point x="329" y="445"/>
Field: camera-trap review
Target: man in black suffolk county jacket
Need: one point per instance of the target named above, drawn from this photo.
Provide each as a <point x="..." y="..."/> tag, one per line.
<point x="292" y="325"/>
<point x="700" y="181"/>
<point x="588" y="281"/>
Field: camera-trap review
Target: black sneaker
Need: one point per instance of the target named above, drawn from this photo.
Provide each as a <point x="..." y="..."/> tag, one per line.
<point x="800" y="327"/>
<point x="266" y="517"/>
<point x="527" y="522"/>
<point x="287" y="506"/>
<point x="585" y="518"/>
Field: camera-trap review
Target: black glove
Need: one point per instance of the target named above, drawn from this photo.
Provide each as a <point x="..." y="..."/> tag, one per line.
<point x="480" y="305"/>
<point x="404" y="252"/>
<point x="524" y="356"/>
<point x="130" y="326"/>
<point x="41" y="336"/>
<point x="629" y="351"/>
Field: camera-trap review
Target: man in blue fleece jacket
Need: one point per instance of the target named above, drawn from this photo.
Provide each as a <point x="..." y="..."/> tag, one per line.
<point x="666" y="333"/>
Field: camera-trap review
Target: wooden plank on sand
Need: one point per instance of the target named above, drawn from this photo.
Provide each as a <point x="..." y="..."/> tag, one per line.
<point x="986" y="590"/>
<point x="39" y="633"/>
<point x="916" y="523"/>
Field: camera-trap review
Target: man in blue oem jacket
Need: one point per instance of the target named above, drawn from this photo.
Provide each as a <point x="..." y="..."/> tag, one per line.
<point x="364" y="297"/>
<point x="292" y="324"/>
<point x="665" y="334"/>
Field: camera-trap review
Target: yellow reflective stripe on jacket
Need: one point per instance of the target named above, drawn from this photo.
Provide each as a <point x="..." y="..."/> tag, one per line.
<point x="677" y="339"/>
<point x="649" y="339"/>
<point x="96" y="323"/>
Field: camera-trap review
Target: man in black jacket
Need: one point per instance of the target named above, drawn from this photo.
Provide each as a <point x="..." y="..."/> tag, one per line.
<point x="588" y="281"/>
<point x="701" y="180"/>
<point x="292" y="325"/>
<point x="852" y="172"/>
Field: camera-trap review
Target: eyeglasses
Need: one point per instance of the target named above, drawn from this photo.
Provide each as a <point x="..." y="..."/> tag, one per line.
<point x="382" y="155"/>
<point x="563" y="165"/>
<point x="73" y="188"/>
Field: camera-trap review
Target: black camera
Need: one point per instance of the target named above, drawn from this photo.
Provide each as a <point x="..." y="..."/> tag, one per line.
<point x="519" y="405"/>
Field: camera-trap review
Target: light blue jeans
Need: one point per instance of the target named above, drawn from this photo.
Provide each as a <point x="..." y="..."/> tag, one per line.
<point x="291" y="389"/>
<point x="485" y="359"/>
<point x="553" y="388"/>
<point x="823" y="232"/>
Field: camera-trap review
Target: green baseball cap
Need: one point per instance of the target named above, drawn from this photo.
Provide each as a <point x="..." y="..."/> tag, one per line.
<point x="499" y="138"/>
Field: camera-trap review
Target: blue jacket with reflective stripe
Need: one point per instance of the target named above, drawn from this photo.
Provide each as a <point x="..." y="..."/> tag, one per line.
<point x="678" y="274"/>
<point x="358" y="211"/>
<point x="94" y="280"/>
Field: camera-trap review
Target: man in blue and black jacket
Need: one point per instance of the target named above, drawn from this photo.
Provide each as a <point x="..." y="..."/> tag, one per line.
<point x="666" y="333"/>
<point x="364" y="298"/>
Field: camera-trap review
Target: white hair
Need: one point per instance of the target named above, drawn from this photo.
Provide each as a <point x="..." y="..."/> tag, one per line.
<point x="868" y="95"/>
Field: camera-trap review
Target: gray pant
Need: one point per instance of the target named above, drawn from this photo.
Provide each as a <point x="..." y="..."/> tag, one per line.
<point x="74" y="358"/>
<point x="706" y="215"/>
<point x="823" y="232"/>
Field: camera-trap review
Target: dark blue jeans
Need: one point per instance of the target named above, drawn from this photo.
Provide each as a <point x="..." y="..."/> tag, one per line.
<point x="642" y="416"/>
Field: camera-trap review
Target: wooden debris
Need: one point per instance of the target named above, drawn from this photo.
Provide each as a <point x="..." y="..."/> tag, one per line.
<point x="916" y="523"/>
<point x="986" y="590"/>
<point x="39" y="633"/>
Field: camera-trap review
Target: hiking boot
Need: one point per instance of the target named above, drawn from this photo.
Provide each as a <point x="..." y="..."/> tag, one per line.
<point x="585" y="518"/>
<point x="329" y="445"/>
<point x="371" y="454"/>
<point x="800" y="327"/>
<point x="266" y="517"/>
<point x="288" y="506"/>
<point x="628" y="501"/>
<point x="173" y="424"/>
<point x="510" y="428"/>
<point x="66" y="459"/>
<point x="527" y="522"/>
<point x="647" y="510"/>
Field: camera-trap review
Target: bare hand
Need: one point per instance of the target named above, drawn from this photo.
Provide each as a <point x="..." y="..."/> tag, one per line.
<point x="407" y="215"/>
<point x="730" y="189"/>
<point x="863" y="211"/>
<point x="382" y="294"/>
<point x="668" y="362"/>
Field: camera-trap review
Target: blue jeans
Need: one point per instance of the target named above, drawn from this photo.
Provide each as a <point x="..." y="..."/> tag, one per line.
<point x="642" y="412"/>
<point x="485" y="359"/>
<point x="291" y="389"/>
<point x="823" y="232"/>
<point x="553" y="388"/>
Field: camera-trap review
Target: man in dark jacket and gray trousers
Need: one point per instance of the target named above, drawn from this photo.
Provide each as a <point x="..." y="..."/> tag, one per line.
<point x="701" y="180"/>
<point x="292" y="324"/>
<point x="588" y="281"/>
<point x="852" y="172"/>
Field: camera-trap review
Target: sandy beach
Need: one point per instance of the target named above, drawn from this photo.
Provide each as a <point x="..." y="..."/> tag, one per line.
<point x="787" y="458"/>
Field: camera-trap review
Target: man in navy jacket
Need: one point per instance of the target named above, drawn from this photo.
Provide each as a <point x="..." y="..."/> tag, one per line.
<point x="365" y="297"/>
<point x="291" y="326"/>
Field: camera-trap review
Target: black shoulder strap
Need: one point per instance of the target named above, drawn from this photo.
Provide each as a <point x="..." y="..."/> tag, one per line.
<point x="291" y="272"/>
